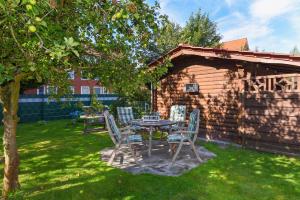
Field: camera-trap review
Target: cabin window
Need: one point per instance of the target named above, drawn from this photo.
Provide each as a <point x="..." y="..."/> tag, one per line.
<point x="191" y="88"/>
<point x="284" y="82"/>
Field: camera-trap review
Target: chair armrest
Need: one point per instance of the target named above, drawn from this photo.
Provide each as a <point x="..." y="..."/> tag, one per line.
<point x="183" y="132"/>
<point x="126" y="130"/>
<point x="187" y="132"/>
<point x="180" y="128"/>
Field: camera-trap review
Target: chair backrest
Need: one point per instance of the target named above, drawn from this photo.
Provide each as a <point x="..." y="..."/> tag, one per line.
<point x="112" y="128"/>
<point x="178" y="113"/>
<point x="193" y="125"/>
<point x="125" y="115"/>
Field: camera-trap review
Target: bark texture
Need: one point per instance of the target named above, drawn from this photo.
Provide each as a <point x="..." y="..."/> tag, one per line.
<point x="9" y="96"/>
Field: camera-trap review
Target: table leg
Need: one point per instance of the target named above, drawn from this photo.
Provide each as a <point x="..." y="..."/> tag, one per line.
<point x="150" y="142"/>
<point x="84" y="126"/>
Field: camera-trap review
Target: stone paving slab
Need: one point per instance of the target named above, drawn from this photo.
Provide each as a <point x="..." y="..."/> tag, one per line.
<point x="159" y="162"/>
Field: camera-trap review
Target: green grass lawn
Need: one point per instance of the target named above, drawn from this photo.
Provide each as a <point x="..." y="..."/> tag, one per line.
<point x="58" y="162"/>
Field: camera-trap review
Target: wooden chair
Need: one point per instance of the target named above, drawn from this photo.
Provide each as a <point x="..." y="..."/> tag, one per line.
<point x="185" y="136"/>
<point x="177" y="114"/>
<point x="125" y="118"/>
<point x="122" y="136"/>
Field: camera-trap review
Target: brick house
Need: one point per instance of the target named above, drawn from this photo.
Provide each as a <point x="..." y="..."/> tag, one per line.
<point x="236" y="45"/>
<point x="80" y="85"/>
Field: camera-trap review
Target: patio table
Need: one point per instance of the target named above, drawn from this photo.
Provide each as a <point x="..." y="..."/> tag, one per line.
<point x="90" y="120"/>
<point x="151" y="125"/>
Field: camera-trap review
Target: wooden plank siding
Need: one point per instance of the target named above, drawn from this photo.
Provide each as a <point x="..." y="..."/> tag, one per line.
<point x="268" y="120"/>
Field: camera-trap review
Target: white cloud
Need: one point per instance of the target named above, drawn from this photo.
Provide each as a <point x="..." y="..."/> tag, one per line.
<point x="238" y="25"/>
<point x="259" y="25"/>
<point x="230" y="2"/>
<point x="268" y="9"/>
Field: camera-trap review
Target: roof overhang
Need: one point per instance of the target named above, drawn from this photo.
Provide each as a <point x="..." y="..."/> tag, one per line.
<point x="247" y="56"/>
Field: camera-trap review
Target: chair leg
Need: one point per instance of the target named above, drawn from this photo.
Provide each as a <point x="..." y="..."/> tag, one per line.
<point x="176" y="154"/>
<point x="131" y="147"/>
<point x="171" y="149"/>
<point x="195" y="151"/>
<point x="112" y="156"/>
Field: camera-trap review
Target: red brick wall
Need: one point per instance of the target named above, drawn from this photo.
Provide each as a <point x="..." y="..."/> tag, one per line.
<point x="77" y="83"/>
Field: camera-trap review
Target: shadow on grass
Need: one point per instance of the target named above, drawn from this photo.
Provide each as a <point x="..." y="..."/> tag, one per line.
<point x="58" y="162"/>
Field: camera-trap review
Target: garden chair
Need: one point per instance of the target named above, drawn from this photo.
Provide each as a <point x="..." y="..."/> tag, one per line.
<point x="177" y="114"/>
<point x="125" y="116"/>
<point x="75" y="116"/>
<point x="122" y="136"/>
<point x="185" y="136"/>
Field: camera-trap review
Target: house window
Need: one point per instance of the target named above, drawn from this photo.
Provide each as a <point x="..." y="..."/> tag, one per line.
<point x="100" y="90"/>
<point x="41" y="90"/>
<point x="84" y="75"/>
<point x="85" y="90"/>
<point x="71" y="75"/>
<point x="72" y="89"/>
<point x="51" y="90"/>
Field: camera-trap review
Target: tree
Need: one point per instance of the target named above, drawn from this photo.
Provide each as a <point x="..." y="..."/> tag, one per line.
<point x="201" y="31"/>
<point x="295" y="51"/>
<point x="41" y="41"/>
<point x="169" y="36"/>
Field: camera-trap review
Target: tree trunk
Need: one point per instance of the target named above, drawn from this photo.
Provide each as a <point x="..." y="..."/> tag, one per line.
<point x="10" y="97"/>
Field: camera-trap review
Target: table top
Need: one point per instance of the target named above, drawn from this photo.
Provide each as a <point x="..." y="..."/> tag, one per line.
<point x="91" y="116"/>
<point x="153" y="123"/>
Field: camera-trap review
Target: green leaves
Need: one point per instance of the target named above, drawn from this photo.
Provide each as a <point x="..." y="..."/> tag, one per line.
<point x="2" y="4"/>
<point x="70" y="43"/>
<point x="60" y="51"/>
<point x="6" y="74"/>
<point x="200" y="30"/>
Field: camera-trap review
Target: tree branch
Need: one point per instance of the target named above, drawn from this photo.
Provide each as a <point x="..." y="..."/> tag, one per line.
<point x="93" y="52"/>
<point x="41" y="42"/>
<point x="1" y="94"/>
<point x="15" y="39"/>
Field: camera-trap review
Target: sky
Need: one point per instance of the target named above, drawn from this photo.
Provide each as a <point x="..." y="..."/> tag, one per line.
<point x="269" y="25"/>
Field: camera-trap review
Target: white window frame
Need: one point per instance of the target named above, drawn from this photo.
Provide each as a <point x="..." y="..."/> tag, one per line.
<point x="55" y="89"/>
<point x="82" y="88"/>
<point x="71" y="75"/>
<point x="103" y="90"/>
<point x="72" y="89"/>
<point x="96" y="87"/>
<point x="81" y="77"/>
<point x="38" y="90"/>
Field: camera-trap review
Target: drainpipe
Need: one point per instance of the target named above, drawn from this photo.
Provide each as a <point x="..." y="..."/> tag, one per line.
<point x="151" y="106"/>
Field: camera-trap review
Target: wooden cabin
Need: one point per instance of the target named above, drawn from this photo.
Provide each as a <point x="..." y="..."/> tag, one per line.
<point x="249" y="98"/>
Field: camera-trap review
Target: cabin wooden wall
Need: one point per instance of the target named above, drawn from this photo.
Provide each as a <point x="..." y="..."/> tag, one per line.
<point x="217" y="99"/>
<point x="226" y="110"/>
<point x="271" y="114"/>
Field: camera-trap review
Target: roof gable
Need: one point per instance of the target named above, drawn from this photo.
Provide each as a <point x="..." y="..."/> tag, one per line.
<point x="236" y="45"/>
